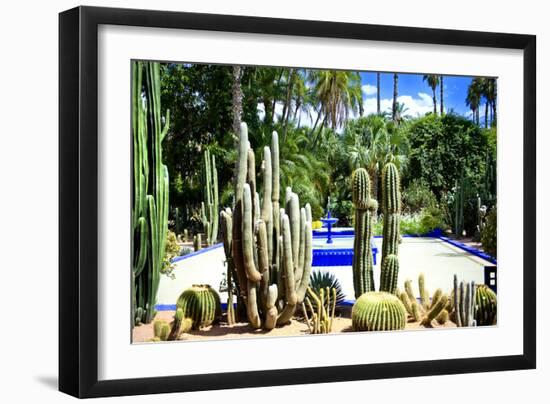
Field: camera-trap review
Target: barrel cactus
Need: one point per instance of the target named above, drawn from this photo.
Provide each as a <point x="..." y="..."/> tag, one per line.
<point x="365" y="208"/>
<point x="201" y="303"/>
<point x="486" y="306"/>
<point x="378" y="311"/>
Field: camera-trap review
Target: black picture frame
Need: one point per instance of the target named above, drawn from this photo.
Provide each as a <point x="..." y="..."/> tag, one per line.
<point x="78" y="200"/>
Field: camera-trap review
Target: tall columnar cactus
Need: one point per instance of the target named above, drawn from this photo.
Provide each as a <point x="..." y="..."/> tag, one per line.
<point x="464" y="303"/>
<point x="201" y="304"/>
<point x="459" y="205"/>
<point x="391" y="207"/>
<point x="378" y="311"/>
<point x="365" y="208"/>
<point x="272" y="267"/>
<point x="150" y="180"/>
<point x="227" y="232"/>
<point x="209" y="206"/>
<point x="486" y="306"/>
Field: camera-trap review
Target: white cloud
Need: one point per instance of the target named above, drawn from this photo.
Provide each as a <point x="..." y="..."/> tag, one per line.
<point x="368" y="89"/>
<point x="416" y="106"/>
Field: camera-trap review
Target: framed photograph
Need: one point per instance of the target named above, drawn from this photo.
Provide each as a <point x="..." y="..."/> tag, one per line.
<point x="240" y="194"/>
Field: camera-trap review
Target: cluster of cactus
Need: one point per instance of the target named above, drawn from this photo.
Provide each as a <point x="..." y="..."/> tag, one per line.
<point x="269" y="249"/>
<point x="391" y="207"/>
<point x="365" y="210"/>
<point x="428" y="309"/>
<point x="209" y="206"/>
<point x="463" y="303"/>
<point x="164" y="332"/>
<point x="161" y="330"/>
<point x="486" y="306"/>
<point x="378" y="311"/>
<point x="201" y="304"/>
<point x="321" y="310"/>
<point x="150" y="196"/>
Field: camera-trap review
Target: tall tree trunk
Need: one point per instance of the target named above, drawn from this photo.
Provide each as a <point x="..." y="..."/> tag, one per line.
<point x="394" y="105"/>
<point x="315" y="124"/>
<point x="494" y="120"/>
<point x="286" y="106"/>
<point x="378" y="93"/>
<point x="486" y="113"/>
<point x="237" y="99"/>
<point x="434" y="100"/>
<point x="275" y="97"/>
<point x="441" y="109"/>
<point x="477" y="116"/>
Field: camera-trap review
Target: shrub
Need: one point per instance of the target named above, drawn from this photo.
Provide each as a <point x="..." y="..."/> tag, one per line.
<point x="420" y="223"/>
<point x="418" y="196"/>
<point x="431" y="218"/>
<point x="317" y="224"/>
<point x="343" y="210"/>
<point x="489" y="233"/>
<point x="171" y="250"/>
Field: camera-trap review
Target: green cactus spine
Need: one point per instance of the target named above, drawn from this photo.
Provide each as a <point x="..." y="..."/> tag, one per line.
<point x="365" y="207"/>
<point x="150" y="180"/>
<point x="209" y="206"/>
<point x="391" y="207"/>
<point x="161" y="330"/>
<point x="378" y="311"/>
<point x="201" y="304"/>
<point x="434" y="311"/>
<point x="464" y="303"/>
<point x="486" y="306"/>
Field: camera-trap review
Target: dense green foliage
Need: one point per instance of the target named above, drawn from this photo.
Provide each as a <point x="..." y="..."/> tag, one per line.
<point x="324" y="136"/>
<point x="489" y="233"/>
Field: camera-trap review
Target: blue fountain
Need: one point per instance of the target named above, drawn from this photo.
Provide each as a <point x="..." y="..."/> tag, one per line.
<point x="328" y="222"/>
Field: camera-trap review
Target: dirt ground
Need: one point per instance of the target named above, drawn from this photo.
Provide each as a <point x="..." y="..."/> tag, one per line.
<point x="222" y="330"/>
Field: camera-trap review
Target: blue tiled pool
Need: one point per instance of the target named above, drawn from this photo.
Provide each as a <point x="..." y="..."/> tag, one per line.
<point x="338" y="253"/>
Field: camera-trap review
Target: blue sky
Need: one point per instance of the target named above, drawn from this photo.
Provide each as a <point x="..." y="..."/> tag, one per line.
<point x="415" y="93"/>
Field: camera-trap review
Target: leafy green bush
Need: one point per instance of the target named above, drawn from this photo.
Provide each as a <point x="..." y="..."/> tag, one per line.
<point x="171" y="250"/>
<point x="432" y="218"/>
<point x="489" y="233"/>
<point x="343" y="210"/>
<point x="418" y="196"/>
<point x="420" y="223"/>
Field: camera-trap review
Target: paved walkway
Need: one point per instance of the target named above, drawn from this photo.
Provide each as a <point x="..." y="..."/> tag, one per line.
<point x="437" y="259"/>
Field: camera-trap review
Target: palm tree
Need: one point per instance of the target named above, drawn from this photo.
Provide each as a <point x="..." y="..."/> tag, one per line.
<point x="394" y="105"/>
<point x="433" y="82"/>
<point x="400" y="114"/>
<point x="378" y="93"/>
<point x="489" y="92"/>
<point x="473" y="98"/>
<point x="441" y="109"/>
<point x="337" y="93"/>
<point x="371" y="142"/>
